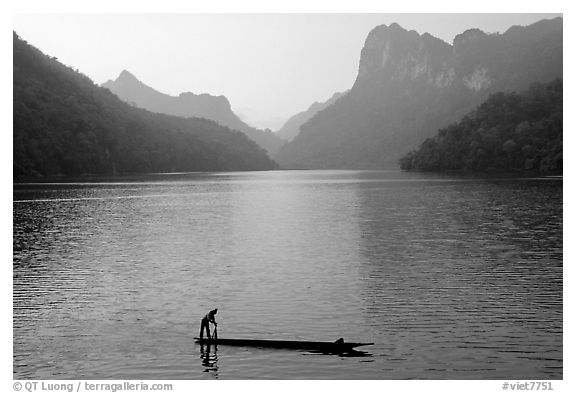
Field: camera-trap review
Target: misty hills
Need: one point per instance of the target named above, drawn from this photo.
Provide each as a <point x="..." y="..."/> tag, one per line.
<point x="410" y="85"/>
<point x="128" y="88"/>
<point x="64" y="124"/>
<point x="291" y="127"/>
<point x="508" y="132"/>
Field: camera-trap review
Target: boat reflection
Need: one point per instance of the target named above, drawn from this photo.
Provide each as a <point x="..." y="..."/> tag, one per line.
<point x="352" y="353"/>
<point x="209" y="356"/>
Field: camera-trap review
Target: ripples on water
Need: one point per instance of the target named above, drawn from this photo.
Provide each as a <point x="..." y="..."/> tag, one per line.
<point x="451" y="278"/>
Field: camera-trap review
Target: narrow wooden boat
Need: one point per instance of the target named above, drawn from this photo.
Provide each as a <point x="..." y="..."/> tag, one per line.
<point x="324" y="346"/>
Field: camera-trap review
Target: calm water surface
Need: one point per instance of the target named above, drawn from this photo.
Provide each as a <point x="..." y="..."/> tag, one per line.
<point x="451" y="278"/>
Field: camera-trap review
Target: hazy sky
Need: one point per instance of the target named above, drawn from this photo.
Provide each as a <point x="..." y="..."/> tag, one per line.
<point x="270" y="66"/>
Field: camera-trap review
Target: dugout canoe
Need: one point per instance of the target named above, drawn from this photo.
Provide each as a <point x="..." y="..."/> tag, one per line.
<point x="324" y="346"/>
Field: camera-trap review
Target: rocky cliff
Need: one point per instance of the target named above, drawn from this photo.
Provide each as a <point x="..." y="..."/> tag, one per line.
<point x="410" y="85"/>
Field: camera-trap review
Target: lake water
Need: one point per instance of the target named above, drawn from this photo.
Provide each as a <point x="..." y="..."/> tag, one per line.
<point x="451" y="278"/>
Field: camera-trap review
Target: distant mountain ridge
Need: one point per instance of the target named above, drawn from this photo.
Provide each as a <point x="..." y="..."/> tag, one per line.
<point x="410" y="85"/>
<point x="65" y="125"/>
<point x="291" y="127"/>
<point x="217" y="108"/>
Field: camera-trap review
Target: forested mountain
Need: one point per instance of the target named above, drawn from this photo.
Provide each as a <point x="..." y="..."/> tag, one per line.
<point x="292" y="126"/>
<point x="508" y="132"/>
<point x="64" y="124"/>
<point x="410" y="85"/>
<point x="128" y="88"/>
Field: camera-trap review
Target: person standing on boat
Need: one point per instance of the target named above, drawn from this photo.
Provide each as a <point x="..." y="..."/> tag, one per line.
<point x="205" y="324"/>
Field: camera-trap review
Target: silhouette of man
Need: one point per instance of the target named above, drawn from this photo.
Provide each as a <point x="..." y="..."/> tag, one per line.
<point x="205" y="324"/>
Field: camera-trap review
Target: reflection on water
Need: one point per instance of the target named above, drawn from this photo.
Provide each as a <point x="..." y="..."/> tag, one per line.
<point x="353" y="353"/>
<point x="209" y="356"/>
<point x="451" y="278"/>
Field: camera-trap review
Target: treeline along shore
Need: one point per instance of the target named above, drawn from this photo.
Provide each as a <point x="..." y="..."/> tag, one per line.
<point x="509" y="132"/>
